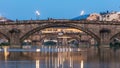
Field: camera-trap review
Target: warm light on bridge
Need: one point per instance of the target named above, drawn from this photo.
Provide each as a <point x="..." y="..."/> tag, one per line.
<point x="38" y="50"/>
<point x="6" y="53"/>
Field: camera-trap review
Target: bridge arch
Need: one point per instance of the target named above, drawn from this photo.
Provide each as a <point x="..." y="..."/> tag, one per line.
<point x="61" y="24"/>
<point x="5" y="36"/>
<point x="115" y="35"/>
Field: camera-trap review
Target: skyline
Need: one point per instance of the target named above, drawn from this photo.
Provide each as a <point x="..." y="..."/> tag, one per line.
<point x="63" y="9"/>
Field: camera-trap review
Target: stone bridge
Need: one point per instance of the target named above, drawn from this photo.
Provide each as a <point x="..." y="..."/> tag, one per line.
<point x="102" y="31"/>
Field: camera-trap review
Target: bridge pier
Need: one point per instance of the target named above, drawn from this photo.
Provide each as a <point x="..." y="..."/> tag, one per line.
<point x="64" y="41"/>
<point x="14" y="41"/>
<point x="104" y="42"/>
<point x="14" y="38"/>
<point x="105" y="37"/>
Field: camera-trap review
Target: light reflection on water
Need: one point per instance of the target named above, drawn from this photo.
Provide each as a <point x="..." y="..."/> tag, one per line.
<point x="105" y="58"/>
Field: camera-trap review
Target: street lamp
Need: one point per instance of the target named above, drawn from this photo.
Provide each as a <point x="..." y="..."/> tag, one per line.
<point x="37" y="13"/>
<point x="82" y="12"/>
<point x="61" y="33"/>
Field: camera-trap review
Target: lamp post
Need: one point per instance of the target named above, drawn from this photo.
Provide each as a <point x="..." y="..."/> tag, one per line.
<point x="82" y="12"/>
<point x="37" y="13"/>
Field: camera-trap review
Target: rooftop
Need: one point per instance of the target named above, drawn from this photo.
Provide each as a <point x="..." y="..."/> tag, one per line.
<point x="3" y="19"/>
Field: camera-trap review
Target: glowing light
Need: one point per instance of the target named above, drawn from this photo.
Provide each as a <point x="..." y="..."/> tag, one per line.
<point x="79" y="49"/>
<point x="5" y="53"/>
<point x="71" y="65"/>
<point x="58" y="62"/>
<point x="37" y="63"/>
<point x="82" y="64"/>
<point x="70" y="49"/>
<point x="37" y="50"/>
<point x="60" y="33"/>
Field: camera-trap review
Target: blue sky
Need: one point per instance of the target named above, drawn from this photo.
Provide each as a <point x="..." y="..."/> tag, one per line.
<point x="25" y="9"/>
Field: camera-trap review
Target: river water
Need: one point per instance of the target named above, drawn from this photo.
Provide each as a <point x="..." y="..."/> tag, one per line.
<point x="88" y="58"/>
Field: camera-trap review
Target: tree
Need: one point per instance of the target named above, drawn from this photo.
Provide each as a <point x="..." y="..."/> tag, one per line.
<point x="50" y="43"/>
<point x="115" y="44"/>
<point x="5" y="44"/>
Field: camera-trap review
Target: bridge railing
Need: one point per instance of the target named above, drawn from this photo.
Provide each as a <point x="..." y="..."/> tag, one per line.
<point x="68" y="21"/>
<point x="60" y="21"/>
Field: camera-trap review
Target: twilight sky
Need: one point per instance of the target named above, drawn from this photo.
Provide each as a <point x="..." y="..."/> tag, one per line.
<point x="25" y="9"/>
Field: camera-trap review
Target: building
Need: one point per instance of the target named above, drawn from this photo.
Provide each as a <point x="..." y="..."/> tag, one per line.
<point x="3" y="19"/>
<point x="94" y="16"/>
<point x="113" y="16"/>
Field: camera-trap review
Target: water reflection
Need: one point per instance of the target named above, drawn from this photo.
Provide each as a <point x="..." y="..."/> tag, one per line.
<point x="82" y="64"/>
<point x="6" y="53"/>
<point x="37" y="63"/>
<point x="106" y="58"/>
